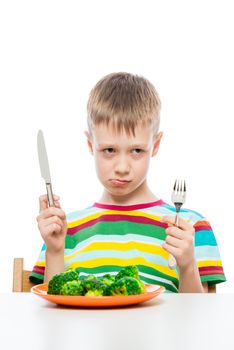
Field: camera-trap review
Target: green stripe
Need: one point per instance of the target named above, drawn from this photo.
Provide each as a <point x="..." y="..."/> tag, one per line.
<point x="213" y="279"/>
<point x="154" y="272"/>
<point x="36" y="278"/>
<point x="116" y="228"/>
<point x="160" y="283"/>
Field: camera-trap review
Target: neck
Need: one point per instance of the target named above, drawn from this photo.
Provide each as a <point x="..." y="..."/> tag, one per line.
<point x="141" y="195"/>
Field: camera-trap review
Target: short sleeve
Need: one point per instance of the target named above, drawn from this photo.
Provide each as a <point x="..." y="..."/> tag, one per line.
<point x="37" y="274"/>
<point x="207" y="253"/>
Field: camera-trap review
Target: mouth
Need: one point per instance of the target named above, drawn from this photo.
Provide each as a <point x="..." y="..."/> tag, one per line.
<point x="119" y="182"/>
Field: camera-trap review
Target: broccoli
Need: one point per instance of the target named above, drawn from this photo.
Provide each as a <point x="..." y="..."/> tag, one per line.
<point x="57" y="281"/>
<point x="87" y="281"/>
<point x="126" y="282"/>
<point x="107" y="279"/>
<point x="125" y="286"/>
<point x="72" y="288"/>
<point x="93" y="287"/>
<point x="128" y="271"/>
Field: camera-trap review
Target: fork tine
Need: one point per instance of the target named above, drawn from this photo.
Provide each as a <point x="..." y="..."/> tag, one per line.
<point x="177" y="185"/>
<point x="174" y="188"/>
<point x="180" y="187"/>
<point x="184" y="186"/>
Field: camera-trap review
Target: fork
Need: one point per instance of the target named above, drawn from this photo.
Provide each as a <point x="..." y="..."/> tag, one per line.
<point x="178" y="198"/>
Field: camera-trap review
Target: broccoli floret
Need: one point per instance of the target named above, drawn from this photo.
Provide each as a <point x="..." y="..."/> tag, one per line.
<point x="93" y="287"/>
<point x="57" y="281"/>
<point x="142" y="286"/>
<point x="107" y="279"/>
<point x="72" y="288"/>
<point x="125" y="286"/>
<point x="94" y="293"/>
<point x="128" y="271"/>
<point x="87" y="282"/>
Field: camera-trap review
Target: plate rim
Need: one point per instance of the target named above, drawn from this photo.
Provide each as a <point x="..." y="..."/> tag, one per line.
<point x="97" y="301"/>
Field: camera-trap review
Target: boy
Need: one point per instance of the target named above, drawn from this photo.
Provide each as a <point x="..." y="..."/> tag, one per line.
<point x="129" y="225"/>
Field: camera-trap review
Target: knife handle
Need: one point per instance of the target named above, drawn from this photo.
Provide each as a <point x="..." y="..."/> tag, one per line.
<point x="50" y="194"/>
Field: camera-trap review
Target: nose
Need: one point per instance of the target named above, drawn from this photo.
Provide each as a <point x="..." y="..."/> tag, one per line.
<point x="122" y="165"/>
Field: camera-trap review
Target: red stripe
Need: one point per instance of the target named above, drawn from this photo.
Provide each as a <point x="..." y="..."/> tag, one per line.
<point x="211" y="270"/>
<point x="200" y="228"/>
<point x="116" y="217"/>
<point x="39" y="269"/>
<point x="128" y="207"/>
<point x="204" y="268"/>
<point x="202" y="223"/>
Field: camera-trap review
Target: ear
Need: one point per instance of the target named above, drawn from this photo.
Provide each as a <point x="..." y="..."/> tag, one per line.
<point x="89" y="141"/>
<point x="156" y="144"/>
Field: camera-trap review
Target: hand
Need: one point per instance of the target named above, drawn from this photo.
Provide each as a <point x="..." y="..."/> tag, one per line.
<point x="180" y="241"/>
<point x="52" y="225"/>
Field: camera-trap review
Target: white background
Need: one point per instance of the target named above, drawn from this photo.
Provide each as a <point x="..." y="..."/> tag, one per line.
<point x="53" y="52"/>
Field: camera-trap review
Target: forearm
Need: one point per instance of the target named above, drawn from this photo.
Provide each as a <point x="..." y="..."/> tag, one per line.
<point x="54" y="263"/>
<point x="190" y="280"/>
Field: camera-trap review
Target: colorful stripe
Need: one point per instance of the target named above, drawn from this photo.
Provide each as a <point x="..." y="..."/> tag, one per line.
<point x="103" y="238"/>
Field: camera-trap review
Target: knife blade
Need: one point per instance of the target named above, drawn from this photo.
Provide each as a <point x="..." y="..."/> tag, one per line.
<point x="44" y="166"/>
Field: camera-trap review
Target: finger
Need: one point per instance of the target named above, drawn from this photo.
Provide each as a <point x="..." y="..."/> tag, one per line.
<point x="51" y="211"/>
<point x="184" y="225"/>
<point x="170" y="249"/>
<point x="175" y="232"/>
<point x="57" y="204"/>
<point x="51" y="229"/>
<point x="43" y="201"/>
<point x="175" y="242"/>
<point x="53" y="220"/>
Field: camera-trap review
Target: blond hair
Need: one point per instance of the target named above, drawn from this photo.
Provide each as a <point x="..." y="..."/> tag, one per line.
<point x="124" y="100"/>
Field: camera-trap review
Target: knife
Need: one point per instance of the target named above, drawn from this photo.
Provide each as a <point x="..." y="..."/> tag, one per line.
<point x="44" y="166"/>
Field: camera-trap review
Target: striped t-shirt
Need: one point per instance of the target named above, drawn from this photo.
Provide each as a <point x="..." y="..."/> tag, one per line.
<point x="103" y="238"/>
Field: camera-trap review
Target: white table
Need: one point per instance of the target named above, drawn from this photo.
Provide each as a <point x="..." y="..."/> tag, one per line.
<point x="170" y="321"/>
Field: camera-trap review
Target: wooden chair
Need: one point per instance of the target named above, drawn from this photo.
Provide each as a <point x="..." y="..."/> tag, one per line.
<point x="21" y="281"/>
<point x="212" y="288"/>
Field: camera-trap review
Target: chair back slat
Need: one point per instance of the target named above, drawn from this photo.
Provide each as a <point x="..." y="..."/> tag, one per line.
<point x="21" y="281"/>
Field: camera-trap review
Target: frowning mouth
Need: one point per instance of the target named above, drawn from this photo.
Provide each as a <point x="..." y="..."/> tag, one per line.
<point x="119" y="182"/>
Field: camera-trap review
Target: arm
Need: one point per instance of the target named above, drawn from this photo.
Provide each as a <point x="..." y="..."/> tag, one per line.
<point x="53" y="228"/>
<point x="180" y="243"/>
<point x="190" y="281"/>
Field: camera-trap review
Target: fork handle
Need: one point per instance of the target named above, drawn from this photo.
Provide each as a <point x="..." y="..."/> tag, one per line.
<point x="172" y="262"/>
<point x="177" y="219"/>
<point x="171" y="259"/>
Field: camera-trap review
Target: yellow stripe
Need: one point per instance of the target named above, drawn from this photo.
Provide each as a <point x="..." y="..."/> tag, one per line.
<point x="134" y="261"/>
<point x="111" y="212"/>
<point x="124" y="246"/>
<point x="123" y="262"/>
<point x="209" y="263"/>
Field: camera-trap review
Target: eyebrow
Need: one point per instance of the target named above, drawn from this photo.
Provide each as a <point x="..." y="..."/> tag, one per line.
<point x="109" y="145"/>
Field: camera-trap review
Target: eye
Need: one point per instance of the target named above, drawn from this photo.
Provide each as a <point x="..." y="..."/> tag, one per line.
<point x="137" y="151"/>
<point x="108" y="150"/>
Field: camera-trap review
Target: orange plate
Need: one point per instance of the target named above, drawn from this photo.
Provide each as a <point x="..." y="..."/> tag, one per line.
<point x="152" y="291"/>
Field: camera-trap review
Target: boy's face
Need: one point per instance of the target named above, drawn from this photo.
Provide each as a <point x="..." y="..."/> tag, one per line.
<point x="122" y="160"/>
